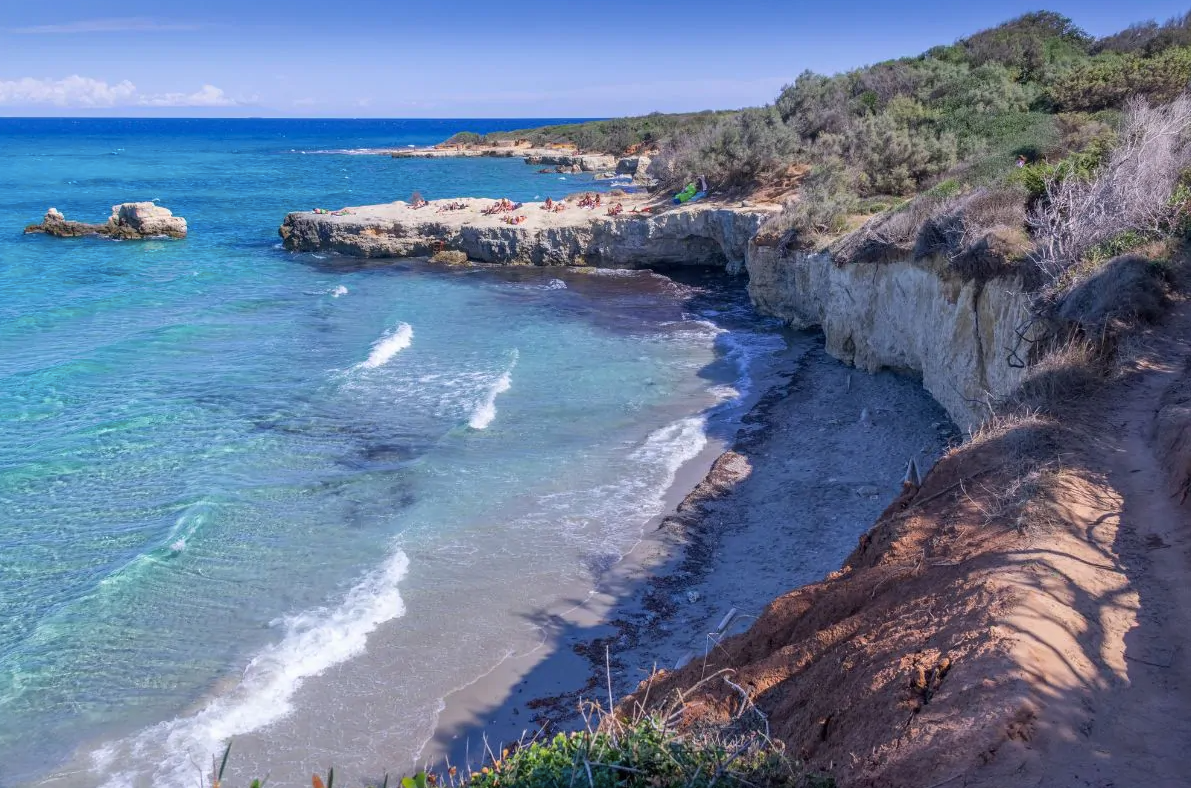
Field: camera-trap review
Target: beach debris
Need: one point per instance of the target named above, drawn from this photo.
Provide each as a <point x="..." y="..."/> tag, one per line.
<point x="913" y="477"/>
<point x="129" y="220"/>
<point x="725" y="622"/>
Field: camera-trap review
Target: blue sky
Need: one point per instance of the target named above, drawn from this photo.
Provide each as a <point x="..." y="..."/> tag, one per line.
<point x="464" y="58"/>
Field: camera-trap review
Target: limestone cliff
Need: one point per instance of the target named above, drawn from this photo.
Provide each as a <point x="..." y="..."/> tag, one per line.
<point x="916" y="316"/>
<point x="702" y="234"/>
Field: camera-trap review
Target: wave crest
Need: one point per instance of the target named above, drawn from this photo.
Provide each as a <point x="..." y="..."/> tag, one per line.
<point x="485" y="410"/>
<point x="314" y="641"/>
<point x="388" y="346"/>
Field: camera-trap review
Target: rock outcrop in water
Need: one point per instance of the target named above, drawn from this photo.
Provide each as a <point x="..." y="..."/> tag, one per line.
<point x="129" y="221"/>
<point x="704" y="234"/>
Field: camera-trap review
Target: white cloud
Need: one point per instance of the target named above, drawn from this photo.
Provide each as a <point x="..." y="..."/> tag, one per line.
<point x="74" y="91"/>
<point x="87" y="93"/>
<point x="127" y="24"/>
<point x="208" y="96"/>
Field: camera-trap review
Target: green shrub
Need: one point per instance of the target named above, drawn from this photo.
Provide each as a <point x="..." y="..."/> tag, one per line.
<point x="1030" y="44"/>
<point x="894" y="159"/>
<point x="739" y="150"/>
<point x="815" y="104"/>
<point x="646" y="755"/>
<point x="464" y="138"/>
<point x="1108" y="79"/>
<point x="825" y="199"/>
<point x="617" y="135"/>
<point x="1148" y="38"/>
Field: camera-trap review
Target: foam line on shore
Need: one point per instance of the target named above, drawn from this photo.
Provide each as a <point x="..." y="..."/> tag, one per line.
<point x="314" y="641"/>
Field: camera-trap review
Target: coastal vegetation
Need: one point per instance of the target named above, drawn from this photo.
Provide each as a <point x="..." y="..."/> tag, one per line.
<point x="650" y="750"/>
<point x="614" y="136"/>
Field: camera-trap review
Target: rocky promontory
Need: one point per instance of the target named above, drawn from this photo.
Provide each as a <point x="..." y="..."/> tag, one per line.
<point x="129" y="221"/>
<point x="640" y="234"/>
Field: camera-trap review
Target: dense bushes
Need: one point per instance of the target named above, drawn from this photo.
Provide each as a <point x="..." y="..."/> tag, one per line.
<point x="1148" y="38"/>
<point x="1032" y="44"/>
<point x="615" y="136"/>
<point x="736" y="151"/>
<point x="825" y="199"/>
<point x="1107" y="80"/>
<point x="895" y="158"/>
<point x="966" y="110"/>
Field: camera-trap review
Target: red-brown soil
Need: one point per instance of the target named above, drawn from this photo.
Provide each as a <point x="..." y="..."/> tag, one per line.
<point x="1023" y="618"/>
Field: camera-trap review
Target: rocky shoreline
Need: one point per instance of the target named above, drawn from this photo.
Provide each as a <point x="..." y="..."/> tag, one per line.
<point x="644" y="233"/>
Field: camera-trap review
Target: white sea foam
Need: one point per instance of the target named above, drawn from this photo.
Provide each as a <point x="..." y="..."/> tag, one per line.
<point x="673" y="446"/>
<point x="388" y="346"/>
<point x="338" y="290"/>
<point x="485" y="409"/>
<point x="743" y="349"/>
<point x="314" y="641"/>
<point x="349" y="151"/>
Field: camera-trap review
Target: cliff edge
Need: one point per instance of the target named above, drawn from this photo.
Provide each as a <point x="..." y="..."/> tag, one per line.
<point x="644" y="234"/>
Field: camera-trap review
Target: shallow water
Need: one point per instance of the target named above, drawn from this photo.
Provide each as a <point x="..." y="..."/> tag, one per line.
<point x="296" y="500"/>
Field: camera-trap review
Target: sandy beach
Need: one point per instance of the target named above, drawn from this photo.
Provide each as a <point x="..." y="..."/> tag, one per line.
<point x="816" y="460"/>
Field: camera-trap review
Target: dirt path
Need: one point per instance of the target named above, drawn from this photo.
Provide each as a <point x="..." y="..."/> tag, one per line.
<point x="1138" y="730"/>
<point x="1022" y="619"/>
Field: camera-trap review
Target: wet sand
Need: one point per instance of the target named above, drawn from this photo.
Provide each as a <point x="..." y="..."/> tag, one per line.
<point x="815" y="462"/>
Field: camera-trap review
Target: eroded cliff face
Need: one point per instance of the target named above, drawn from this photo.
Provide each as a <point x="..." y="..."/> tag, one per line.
<point x="701" y="235"/>
<point x="913" y="316"/>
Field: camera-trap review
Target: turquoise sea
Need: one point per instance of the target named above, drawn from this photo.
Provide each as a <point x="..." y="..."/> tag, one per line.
<point x="296" y="500"/>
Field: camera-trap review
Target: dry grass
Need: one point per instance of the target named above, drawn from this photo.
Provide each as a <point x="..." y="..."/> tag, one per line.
<point x="979" y="233"/>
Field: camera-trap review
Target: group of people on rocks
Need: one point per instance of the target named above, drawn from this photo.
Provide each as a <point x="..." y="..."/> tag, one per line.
<point x="554" y="207"/>
<point x="589" y="201"/>
<point x="503" y="205"/>
<point x="457" y="205"/>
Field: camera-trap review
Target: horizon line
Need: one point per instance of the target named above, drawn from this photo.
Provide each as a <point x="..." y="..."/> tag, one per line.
<point x="329" y="117"/>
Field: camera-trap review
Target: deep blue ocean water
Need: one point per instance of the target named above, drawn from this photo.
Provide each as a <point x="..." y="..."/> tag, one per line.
<point x="244" y="493"/>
